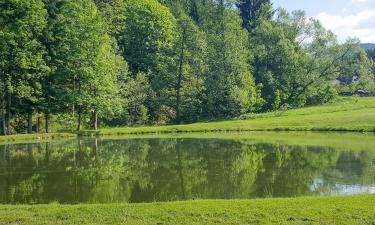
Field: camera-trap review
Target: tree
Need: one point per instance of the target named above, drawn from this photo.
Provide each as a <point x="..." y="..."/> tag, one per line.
<point x="190" y="49"/>
<point x="104" y="88"/>
<point x="356" y="71"/>
<point x="371" y="54"/>
<point x="295" y="72"/>
<point x="86" y="67"/>
<point x="114" y="13"/>
<point x="147" y="42"/>
<point x="250" y="10"/>
<point x="135" y="92"/>
<point x="22" y="57"/>
<point x="229" y="83"/>
<point x="149" y="33"/>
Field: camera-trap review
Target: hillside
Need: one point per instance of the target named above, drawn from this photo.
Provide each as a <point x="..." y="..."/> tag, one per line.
<point x="368" y="46"/>
<point x="346" y="114"/>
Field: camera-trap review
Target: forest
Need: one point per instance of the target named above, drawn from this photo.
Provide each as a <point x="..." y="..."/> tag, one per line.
<point x="78" y="64"/>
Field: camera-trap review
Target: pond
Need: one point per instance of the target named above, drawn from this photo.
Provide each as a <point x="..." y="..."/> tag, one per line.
<point x="178" y="168"/>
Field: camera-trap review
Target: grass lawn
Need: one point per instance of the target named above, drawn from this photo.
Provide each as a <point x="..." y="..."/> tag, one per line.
<point x="321" y="210"/>
<point x="346" y="114"/>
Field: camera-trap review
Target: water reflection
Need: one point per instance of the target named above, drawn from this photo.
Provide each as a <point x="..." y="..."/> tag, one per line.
<point x="147" y="170"/>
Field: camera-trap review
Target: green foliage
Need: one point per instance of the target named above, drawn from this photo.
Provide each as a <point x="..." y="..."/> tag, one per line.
<point x="86" y="64"/>
<point x="356" y="72"/>
<point x="149" y="33"/>
<point x="300" y="72"/>
<point x="135" y="92"/>
<point x="230" y="87"/>
<point x="22" y="63"/>
<point x="134" y="62"/>
<point x="251" y="11"/>
<point x="185" y="90"/>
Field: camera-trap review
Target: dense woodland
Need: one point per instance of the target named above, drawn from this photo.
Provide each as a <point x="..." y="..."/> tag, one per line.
<point x="70" y="64"/>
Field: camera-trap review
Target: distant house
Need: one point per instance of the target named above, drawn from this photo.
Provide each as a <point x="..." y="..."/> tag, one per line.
<point x="355" y="79"/>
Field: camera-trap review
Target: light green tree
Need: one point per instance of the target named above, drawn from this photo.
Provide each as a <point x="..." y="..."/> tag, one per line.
<point x="86" y="64"/>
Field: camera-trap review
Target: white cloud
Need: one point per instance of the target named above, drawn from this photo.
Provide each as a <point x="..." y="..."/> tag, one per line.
<point x="357" y="25"/>
<point x="359" y="1"/>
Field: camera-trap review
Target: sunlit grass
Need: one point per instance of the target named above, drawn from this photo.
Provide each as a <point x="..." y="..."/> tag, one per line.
<point x="346" y="114"/>
<point x="320" y="210"/>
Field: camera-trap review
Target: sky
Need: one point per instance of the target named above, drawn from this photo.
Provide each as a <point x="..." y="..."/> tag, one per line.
<point x="346" y="18"/>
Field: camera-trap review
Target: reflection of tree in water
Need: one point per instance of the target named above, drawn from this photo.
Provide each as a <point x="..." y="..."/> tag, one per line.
<point x="144" y="170"/>
<point x="73" y="172"/>
<point x="290" y="170"/>
<point x="351" y="168"/>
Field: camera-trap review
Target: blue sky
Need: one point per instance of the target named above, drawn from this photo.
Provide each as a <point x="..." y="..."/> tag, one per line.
<point x="347" y="18"/>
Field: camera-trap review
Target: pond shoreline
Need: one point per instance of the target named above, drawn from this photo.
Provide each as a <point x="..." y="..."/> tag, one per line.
<point x="126" y="132"/>
<point x="309" y="210"/>
<point x="349" y="114"/>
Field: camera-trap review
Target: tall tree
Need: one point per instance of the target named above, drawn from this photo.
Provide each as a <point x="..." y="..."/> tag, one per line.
<point x="83" y="59"/>
<point x="184" y="82"/>
<point x="356" y="71"/>
<point x="250" y="10"/>
<point x="147" y="42"/>
<point x="295" y="72"/>
<point x="149" y="32"/>
<point x="230" y="86"/>
<point x="22" y="57"/>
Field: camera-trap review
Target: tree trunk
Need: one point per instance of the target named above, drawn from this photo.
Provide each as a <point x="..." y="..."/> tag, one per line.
<point x="38" y="124"/>
<point x="3" y="118"/>
<point x="9" y="114"/>
<point x="30" y="122"/>
<point x="95" y="120"/>
<point x="47" y="122"/>
<point x="179" y="79"/>
<point x="79" y="119"/>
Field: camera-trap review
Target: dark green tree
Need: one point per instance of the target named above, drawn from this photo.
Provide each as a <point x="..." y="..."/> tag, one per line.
<point x="250" y="10"/>
<point x="22" y="58"/>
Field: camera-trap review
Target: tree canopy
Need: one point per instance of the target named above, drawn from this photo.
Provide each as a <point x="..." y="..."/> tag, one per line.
<point x="84" y="63"/>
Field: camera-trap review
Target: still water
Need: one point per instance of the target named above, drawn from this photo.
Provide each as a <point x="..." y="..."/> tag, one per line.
<point x="168" y="169"/>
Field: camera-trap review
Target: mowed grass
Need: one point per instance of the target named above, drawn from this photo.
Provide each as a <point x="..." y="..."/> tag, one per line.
<point x="346" y="114"/>
<point x="321" y="210"/>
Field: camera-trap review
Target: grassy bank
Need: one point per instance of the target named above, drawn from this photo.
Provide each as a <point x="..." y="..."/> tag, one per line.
<point x="333" y="210"/>
<point x="20" y="138"/>
<point x="346" y="114"/>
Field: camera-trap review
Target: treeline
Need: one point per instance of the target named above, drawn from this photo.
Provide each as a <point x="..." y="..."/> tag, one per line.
<point x="132" y="62"/>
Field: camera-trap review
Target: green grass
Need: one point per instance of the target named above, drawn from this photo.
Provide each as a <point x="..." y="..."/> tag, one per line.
<point x="346" y="114"/>
<point x="321" y="210"/>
